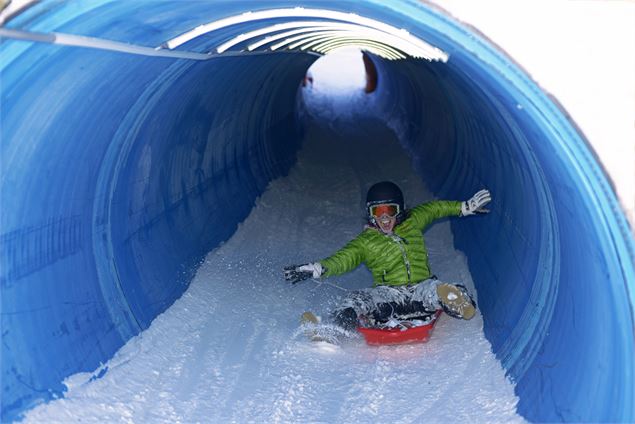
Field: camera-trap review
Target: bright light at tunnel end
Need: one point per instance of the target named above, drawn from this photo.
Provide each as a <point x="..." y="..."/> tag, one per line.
<point x="348" y="30"/>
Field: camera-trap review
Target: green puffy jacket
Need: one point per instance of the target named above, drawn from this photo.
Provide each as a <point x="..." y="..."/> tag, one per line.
<point x="397" y="259"/>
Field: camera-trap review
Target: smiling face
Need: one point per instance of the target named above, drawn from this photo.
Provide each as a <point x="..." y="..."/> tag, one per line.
<point x="386" y="223"/>
<point x="385" y="216"/>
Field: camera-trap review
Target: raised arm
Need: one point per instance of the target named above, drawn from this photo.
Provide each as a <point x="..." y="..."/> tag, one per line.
<point x="424" y="214"/>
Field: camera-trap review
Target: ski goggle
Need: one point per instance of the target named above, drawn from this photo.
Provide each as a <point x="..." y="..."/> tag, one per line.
<point x="390" y="209"/>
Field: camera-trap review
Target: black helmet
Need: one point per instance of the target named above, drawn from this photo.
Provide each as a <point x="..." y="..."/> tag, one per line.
<point x="384" y="192"/>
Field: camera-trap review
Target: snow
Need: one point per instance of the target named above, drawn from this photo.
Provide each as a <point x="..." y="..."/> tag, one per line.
<point x="232" y="349"/>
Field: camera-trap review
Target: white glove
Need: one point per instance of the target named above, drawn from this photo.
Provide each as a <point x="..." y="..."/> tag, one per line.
<point x="476" y="203"/>
<point x="315" y="268"/>
<point x="295" y="273"/>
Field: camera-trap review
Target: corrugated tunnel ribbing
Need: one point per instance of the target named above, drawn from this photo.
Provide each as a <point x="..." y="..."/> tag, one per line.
<point x="117" y="170"/>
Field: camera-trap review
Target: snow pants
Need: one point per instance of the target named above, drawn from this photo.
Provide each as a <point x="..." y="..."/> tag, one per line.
<point x="384" y="302"/>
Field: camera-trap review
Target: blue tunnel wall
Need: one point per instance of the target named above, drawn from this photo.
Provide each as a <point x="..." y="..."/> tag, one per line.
<point x="118" y="172"/>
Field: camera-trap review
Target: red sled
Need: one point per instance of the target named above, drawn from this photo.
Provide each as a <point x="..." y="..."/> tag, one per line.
<point x="401" y="335"/>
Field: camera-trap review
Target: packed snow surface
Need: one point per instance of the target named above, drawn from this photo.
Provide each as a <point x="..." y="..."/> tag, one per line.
<point x="231" y="349"/>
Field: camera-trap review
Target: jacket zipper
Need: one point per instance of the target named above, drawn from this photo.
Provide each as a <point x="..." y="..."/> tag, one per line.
<point x="399" y="242"/>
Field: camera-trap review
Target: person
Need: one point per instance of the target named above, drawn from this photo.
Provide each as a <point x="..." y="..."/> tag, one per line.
<point x="393" y="248"/>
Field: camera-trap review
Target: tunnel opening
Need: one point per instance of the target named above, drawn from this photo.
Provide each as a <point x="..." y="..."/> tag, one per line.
<point x="336" y="93"/>
<point x="340" y="72"/>
<point x="111" y="241"/>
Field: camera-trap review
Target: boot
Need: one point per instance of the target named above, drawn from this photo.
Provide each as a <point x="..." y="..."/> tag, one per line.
<point x="309" y="318"/>
<point x="313" y="331"/>
<point x="456" y="301"/>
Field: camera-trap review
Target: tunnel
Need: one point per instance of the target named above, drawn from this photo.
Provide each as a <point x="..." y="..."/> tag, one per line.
<point x="125" y="159"/>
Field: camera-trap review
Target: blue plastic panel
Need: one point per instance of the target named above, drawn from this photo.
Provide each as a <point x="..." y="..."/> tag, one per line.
<point x="120" y="172"/>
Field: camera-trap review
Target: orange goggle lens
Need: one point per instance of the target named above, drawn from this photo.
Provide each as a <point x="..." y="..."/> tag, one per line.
<point x="384" y="209"/>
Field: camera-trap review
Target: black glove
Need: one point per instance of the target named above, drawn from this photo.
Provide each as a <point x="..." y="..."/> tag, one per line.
<point x="296" y="273"/>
